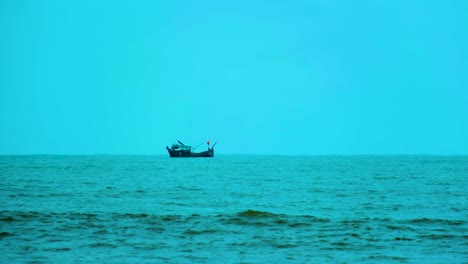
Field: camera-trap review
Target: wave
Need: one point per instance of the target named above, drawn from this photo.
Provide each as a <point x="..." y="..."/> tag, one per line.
<point x="437" y="221"/>
<point x="245" y="217"/>
<point x="254" y="213"/>
<point x="5" y="234"/>
<point x="243" y="230"/>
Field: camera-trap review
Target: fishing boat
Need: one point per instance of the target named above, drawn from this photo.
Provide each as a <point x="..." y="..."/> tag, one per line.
<point x="180" y="150"/>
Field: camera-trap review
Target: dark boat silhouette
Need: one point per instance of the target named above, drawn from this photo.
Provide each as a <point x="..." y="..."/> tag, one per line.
<point x="181" y="150"/>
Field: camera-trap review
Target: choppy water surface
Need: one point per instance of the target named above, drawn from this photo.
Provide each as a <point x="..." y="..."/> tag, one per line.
<point x="234" y="209"/>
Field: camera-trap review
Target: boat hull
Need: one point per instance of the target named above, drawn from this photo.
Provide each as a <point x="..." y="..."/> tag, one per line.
<point x="189" y="154"/>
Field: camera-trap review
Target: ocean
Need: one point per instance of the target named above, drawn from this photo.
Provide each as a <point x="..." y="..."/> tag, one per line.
<point x="234" y="209"/>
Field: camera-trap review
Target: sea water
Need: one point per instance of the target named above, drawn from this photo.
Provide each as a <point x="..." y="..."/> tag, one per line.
<point x="234" y="209"/>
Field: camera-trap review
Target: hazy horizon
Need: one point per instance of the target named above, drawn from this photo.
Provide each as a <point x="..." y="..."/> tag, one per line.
<point x="259" y="77"/>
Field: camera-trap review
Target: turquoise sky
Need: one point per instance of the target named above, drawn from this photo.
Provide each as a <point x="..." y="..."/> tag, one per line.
<point x="260" y="77"/>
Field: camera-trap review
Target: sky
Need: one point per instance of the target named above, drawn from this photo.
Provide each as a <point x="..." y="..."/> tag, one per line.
<point x="303" y="77"/>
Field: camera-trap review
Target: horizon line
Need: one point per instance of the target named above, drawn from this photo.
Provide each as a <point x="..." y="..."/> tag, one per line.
<point x="238" y="154"/>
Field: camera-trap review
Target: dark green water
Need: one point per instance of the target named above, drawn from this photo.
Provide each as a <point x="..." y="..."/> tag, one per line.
<point x="234" y="209"/>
